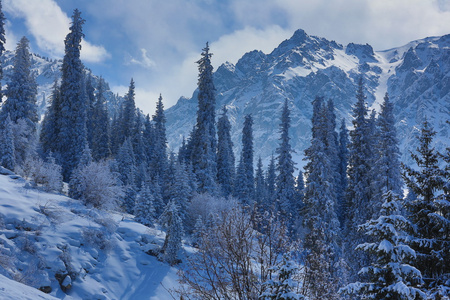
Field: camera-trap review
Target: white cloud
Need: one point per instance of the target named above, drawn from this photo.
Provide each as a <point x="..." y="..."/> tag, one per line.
<point x="144" y="61"/>
<point x="232" y="46"/>
<point x="49" y="26"/>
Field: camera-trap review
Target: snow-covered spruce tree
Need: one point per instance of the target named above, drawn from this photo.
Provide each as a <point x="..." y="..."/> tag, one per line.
<point x="270" y="181"/>
<point x="342" y="182"/>
<point x="244" y="183"/>
<point x="101" y="127"/>
<point x="178" y="188"/>
<point x="49" y="129"/>
<point x="204" y="143"/>
<point x="22" y="89"/>
<point x="171" y="222"/>
<point x="388" y="173"/>
<point x="2" y="44"/>
<point x="7" y="152"/>
<point x="144" y="211"/>
<point x="71" y="123"/>
<point x="260" y="187"/>
<point x="390" y="275"/>
<point x="429" y="213"/>
<point x="125" y="123"/>
<point x="299" y="191"/>
<point x="148" y="137"/>
<point x="319" y="213"/>
<point x="285" y="181"/>
<point x="77" y="182"/>
<point x="359" y="190"/>
<point x="90" y="102"/>
<point x="158" y="160"/>
<point x="126" y="165"/>
<point x="284" y="286"/>
<point x="225" y="155"/>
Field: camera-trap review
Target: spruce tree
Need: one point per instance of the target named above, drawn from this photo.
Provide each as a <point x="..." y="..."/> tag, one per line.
<point x="171" y="222"/>
<point x="72" y="120"/>
<point x="245" y="183"/>
<point x="49" y="129"/>
<point x="429" y="213"/>
<point x="285" y="182"/>
<point x="22" y="88"/>
<point x="101" y="126"/>
<point x="270" y="182"/>
<point x="389" y="276"/>
<point x="76" y="187"/>
<point x="7" y="149"/>
<point x="204" y="143"/>
<point x="225" y="155"/>
<point x="158" y="162"/>
<point x="342" y="182"/>
<point x="388" y="158"/>
<point x="260" y="187"/>
<point x="2" y="44"/>
<point x="144" y="211"/>
<point x="359" y="190"/>
<point x="319" y="213"/>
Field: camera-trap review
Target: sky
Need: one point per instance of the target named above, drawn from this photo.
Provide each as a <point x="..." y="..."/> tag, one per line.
<point x="157" y="42"/>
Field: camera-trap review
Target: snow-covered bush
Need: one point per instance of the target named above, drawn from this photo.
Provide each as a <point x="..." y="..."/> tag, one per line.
<point x="44" y="174"/>
<point x="205" y="205"/>
<point x="98" y="186"/>
<point x="97" y="238"/>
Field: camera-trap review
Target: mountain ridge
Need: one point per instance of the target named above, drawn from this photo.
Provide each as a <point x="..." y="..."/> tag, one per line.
<point x="304" y="67"/>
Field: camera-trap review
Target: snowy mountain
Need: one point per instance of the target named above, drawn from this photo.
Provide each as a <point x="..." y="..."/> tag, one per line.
<point x="46" y="71"/>
<point x="416" y="76"/>
<point x="56" y="244"/>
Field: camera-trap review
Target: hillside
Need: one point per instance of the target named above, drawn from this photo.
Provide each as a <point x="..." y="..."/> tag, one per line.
<point x="46" y="237"/>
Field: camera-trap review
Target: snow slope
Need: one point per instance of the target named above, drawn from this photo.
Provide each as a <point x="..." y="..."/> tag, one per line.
<point x="46" y="236"/>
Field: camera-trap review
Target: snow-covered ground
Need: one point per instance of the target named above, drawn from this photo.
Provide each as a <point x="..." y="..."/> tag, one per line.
<point x="46" y="236"/>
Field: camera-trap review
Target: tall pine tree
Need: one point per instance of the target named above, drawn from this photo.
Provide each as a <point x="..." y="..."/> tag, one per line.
<point x="204" y="143"/>
<point x="73" y="111"/>
<point x="225" y="155"/>
<point x="285" y="182"/>
<point x="245" y="184"/>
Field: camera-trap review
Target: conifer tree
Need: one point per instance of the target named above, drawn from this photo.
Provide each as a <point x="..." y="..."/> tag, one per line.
<point x="244" y="185"/>
<point x="49" y="129"/>
<point x="171" y="222"/>
<point x="179" y="190"/>
<point x="285" y="182"/>
<point x="90" y="102"/>
<point x="225" y="155"/>
<point x="101" y="127"/>
<point x="342" y="182"/>
<point x="284" y="286"/>
<point x="22" y="88"/>
<point x="260" y="187"/>
<point x="319" y="214"/>
<point x="7" y="152"/>
<point x="204" y="143"/>
<point x="389" y="276"/>
<point x="158" y="163"/>
<point x="2" y="44"/>
<point x="429" y="213"/>
<point x="144" y="211"/>
<point x="388" y="158"/>
<point x="72" y="120"/>
<point x="359" y="190"/>
<point x="76" y="187"/>
<point x="270" y="181"/>
<point x="126" y="164"/>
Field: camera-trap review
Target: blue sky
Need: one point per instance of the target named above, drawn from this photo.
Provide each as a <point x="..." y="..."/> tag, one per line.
<point x="158" y="41"/>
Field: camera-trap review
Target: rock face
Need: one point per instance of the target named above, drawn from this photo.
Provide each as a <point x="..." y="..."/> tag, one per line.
<point x="417" y="77"/>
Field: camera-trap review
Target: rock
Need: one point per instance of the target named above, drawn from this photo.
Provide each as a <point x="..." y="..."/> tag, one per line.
<point x="66" y="284"/>
<point x="46" y="289"/>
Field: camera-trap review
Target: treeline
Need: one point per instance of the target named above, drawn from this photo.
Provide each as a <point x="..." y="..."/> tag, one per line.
<point x="342" y="229"/>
